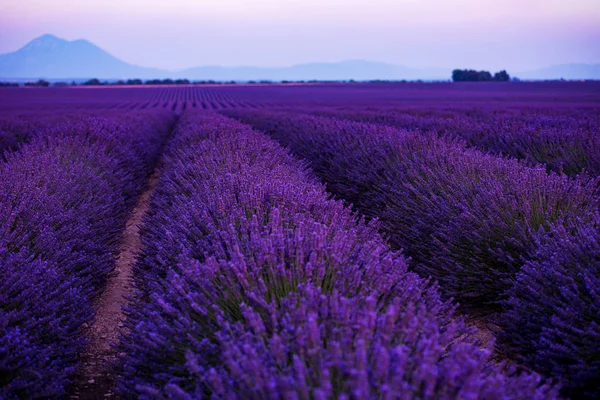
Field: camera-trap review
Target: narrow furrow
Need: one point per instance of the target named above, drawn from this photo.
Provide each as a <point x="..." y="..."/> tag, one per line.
<point x="96" y="378"/>
<point x="64" y="201"/>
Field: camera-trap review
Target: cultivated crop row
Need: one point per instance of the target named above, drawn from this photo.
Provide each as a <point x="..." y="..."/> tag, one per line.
<point x="359" y="96"/>
<point x="64" y="198"/>
<point x="254" y="284"/>
<point x="564" y="140"/>
<point x="17" y="129"/>
<point x="176" y="99"/>
<point x="513" y="243"/>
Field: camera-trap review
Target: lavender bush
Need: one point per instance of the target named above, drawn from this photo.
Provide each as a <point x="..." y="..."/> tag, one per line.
<point x="17" y="129"/>
<point x="564" y="140"/>
<point x="239" y="243"/>
<point x="63" y="201"/>
<point x="12" y="134"/>
<point x="553" y="317"/>
<point x="327" y="346"/>
<point x="466" y="218"/>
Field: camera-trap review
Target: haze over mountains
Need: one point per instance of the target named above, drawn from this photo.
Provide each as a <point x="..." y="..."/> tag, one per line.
<point x="50" y="57"/>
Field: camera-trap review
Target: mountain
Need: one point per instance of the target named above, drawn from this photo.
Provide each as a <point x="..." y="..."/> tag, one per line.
<point x="344" y="70"/>
<point x="563" y="71"/>
<point x="50" y="57"/>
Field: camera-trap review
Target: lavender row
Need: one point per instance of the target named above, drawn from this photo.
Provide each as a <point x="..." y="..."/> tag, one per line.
<point x="564" y="140"/>
<point x="17" y="129"/>
<point x="64" y="199"/>
<point x="552" y="322"/>
<point x="468" y="219"/>
<point x="254" y="284"/>
<point x="465" y="218"/>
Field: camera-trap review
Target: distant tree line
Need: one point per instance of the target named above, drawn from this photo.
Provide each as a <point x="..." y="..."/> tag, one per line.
<point x="97" y="82"/>
<point x="457" y="76"/>
<point x="40" y="82"/>
<point x="470" y="75"/>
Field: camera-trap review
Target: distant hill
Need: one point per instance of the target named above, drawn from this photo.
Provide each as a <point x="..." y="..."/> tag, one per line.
<point x="50" y="57"/>
<point x="564" y="71"/>
<point x="53" y="58"/>
<point x="344" y="70"/>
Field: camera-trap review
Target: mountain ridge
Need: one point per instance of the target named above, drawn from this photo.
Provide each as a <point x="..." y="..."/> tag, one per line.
<point x="571" y="71"/>
<point x="51" y="57"/>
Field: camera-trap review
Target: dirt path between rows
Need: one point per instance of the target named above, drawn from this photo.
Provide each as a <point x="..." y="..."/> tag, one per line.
<point x="95" y="375"/>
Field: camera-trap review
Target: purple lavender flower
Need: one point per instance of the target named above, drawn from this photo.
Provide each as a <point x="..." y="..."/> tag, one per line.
<point x="553" y="317"/>
<point x="241" y="246"/>
<point x="563" y="139"/>
<point x="466" y="218"/>
<point x="64" y="198"/>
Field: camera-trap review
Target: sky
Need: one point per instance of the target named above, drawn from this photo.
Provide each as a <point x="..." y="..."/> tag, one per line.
<point x="517" y="35"/>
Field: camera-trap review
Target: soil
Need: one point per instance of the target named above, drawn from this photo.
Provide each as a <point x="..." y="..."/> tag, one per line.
<point x="485" y="332"/>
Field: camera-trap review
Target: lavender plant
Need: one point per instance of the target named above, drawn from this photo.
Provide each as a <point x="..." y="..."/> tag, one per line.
<point x="553" y="317"/>
<point x="17" y="129"/>
<point x="240" y="242"/>
<point x="322" y="346"/>
<point x="63" y="201"/>
<point x="466" y="218"/>
<point x="564" y="140"/>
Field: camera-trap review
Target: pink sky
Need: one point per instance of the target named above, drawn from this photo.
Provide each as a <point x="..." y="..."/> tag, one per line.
<point x="493" y="34"/>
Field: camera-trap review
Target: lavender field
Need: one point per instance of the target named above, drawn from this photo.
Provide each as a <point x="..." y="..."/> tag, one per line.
<point x="301" y="241"/>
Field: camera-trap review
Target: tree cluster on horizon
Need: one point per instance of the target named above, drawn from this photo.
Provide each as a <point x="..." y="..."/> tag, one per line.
<point x="470" y="75"/>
